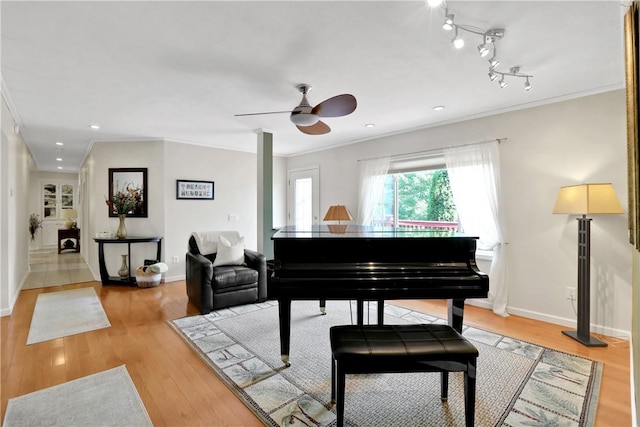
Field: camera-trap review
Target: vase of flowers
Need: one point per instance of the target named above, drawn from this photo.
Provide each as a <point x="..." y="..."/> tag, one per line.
<point x="126" y="200"/>
<point x="34" y="223"/>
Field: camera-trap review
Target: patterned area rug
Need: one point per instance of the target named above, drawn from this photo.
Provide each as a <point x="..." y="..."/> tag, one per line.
<point x="107" y="398"/>
<point x="63" y="313"/>
<point x="518" y="383"/>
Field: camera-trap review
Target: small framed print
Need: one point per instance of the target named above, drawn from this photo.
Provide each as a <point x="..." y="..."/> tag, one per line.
<point x="194" y="190"/>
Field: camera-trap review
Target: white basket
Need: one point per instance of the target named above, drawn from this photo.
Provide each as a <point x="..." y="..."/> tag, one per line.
<point x="147" y="279"/>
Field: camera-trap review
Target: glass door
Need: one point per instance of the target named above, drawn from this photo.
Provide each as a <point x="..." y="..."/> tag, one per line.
<point x="303" y="198"/>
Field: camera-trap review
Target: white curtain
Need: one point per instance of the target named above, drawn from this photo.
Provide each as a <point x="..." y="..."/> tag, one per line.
<point x="474" y="174"/>
<point x="372" y="175"/>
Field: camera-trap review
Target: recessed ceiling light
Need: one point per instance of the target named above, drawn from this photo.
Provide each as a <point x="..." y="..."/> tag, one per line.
<point x="94" y="126"/>
<point x="438" y="108"/>
<point x="59" y="167"/>
<point x="370" y="125"/>
<point x="59" y="159"/>
<point x="59" y="143"/>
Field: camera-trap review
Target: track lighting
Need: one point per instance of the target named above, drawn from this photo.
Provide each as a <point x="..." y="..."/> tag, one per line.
<point x="488" y="43"/>
<point x="458" y="42"/>
<point x="448" y="22"/>
<point x="483" y="50"/>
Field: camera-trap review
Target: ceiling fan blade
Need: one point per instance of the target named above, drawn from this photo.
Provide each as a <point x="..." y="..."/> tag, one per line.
<point x="319" y="128"/>
<point x="258" y="114"/>
<point x="339" y="105"/>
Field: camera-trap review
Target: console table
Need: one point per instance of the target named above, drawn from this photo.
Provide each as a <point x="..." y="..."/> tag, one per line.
<point x="117" y="280"/>
<point x="68" y="233"/>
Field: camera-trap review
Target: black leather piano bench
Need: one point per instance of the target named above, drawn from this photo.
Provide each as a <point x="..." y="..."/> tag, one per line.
<point x="367" y="349"/>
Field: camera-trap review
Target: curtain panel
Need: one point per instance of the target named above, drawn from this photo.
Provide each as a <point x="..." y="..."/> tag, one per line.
<point x="474" y="175"/>
<point x="372" y="175"/>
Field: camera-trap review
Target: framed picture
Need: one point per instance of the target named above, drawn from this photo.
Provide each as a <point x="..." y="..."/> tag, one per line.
<point x="128" y="192"/>
<point x="194" y="190"/>
<point x="632" y="61"/>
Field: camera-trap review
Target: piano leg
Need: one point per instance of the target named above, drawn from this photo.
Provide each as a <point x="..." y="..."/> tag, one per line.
<point x="360" y="311"/>
<point x="455" y="313"/>
<point x="323" y="306"/>
<point x="284" y="311"/>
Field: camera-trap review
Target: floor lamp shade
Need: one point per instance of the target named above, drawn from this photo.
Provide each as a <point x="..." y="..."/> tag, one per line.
<point x="586" y="199"/>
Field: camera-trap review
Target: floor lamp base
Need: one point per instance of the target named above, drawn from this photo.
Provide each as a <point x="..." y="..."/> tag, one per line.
<point x="589" y="342"/>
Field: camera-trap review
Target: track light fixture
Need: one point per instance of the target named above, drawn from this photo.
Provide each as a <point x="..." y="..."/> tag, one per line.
<point x="513" y="72"/>
<point x="486" y="46"/>
<point x="457" y="41"/>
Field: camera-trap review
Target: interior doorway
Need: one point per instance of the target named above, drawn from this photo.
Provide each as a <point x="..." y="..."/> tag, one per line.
<point x="303" y="208"/>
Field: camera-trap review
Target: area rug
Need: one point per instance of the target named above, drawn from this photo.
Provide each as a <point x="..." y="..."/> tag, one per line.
<point x="63" y="313"/>
<point x="42" y="256"/>
<point x="518" y="383"/>
<point x="108" y="398"/>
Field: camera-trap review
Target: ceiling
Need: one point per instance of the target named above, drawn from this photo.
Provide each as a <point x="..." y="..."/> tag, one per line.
<point x="181" y="70"/>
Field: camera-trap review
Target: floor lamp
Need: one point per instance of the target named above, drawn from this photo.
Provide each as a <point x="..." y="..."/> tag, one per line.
<point x="586" y="199"/>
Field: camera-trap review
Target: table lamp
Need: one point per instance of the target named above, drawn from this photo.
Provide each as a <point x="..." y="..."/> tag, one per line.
<point x="586" y="199"/>
<point x="70" y="215"/>
<point x="337" y="213"/>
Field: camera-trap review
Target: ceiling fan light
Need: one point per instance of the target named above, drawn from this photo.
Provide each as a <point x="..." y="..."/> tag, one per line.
<point x="527" y="85"/>
<point x="304" y="119"/>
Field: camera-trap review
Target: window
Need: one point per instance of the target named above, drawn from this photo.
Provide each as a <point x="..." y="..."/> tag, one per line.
<point x="417" y="199"/>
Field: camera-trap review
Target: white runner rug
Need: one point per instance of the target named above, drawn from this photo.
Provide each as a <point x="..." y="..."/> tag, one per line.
<point x="64" y="313"/>
<point x="107" y="398"/>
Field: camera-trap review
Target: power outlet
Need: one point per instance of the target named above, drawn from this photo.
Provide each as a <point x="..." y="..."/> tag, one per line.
<point x="174" y="259"/>
<point x="570" y="293"/>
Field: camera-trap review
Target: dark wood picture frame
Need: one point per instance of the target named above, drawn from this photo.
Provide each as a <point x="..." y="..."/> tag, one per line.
<point x="135" y="178"/>
<point x="633" y="138"/>
<point x="194" y="190"/>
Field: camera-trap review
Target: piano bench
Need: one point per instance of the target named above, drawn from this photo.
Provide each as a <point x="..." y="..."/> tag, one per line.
<point x="366" y="349"/>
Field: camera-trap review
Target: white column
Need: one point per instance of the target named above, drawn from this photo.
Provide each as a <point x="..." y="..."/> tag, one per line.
<point x="265" y="193"/>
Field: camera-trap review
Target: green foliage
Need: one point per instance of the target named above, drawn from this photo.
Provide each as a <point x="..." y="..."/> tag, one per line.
<point x="422" y="196"/>
<point x="440" y="206"/>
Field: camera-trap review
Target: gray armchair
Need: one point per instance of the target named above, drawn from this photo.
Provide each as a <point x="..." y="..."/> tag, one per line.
<point x="240" y="280"/>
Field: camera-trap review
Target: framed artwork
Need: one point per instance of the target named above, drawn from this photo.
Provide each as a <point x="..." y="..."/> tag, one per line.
<point x="128" y="192"/>
<point x="194" y="190"/>
<point x="633" y="138"/>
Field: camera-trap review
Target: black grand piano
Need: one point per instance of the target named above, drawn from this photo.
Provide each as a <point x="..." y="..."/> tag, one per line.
<point x="342" y="262"/>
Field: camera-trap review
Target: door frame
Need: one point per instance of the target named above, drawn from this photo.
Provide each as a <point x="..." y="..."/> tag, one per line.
<point x="312" y="172"/>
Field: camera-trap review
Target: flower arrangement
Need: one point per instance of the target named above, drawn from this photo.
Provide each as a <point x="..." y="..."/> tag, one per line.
<point x="34" y="223"/>
<point x="126" y="200"/>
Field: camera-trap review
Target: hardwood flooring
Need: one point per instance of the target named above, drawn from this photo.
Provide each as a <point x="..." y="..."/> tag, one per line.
<point x="178" y="389"/>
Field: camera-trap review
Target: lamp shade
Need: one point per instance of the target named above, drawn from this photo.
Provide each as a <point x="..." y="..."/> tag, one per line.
<point x="586" y="199"/>
<point x="338" y="213"/>
<point x="69" y="214"/>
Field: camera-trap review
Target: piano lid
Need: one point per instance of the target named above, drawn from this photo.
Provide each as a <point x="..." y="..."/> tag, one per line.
<point x="350" y="231"/>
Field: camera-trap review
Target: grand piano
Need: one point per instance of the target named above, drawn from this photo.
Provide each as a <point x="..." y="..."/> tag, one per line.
<point x="350" y="262"/>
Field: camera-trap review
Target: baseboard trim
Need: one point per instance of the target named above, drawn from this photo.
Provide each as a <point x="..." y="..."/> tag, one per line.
<point x="599" y="329"/>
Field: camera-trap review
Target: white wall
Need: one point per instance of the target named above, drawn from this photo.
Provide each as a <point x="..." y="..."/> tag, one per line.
<point x="582" y="140"/>
<point x="16" y="162"/>
<point x="234" y="175"/>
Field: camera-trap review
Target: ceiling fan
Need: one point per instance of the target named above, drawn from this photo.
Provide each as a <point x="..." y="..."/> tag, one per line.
<point x="307" y="118"/>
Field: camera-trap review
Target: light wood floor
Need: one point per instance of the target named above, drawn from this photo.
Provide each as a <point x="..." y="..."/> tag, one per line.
<point x="177" y="387"/>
